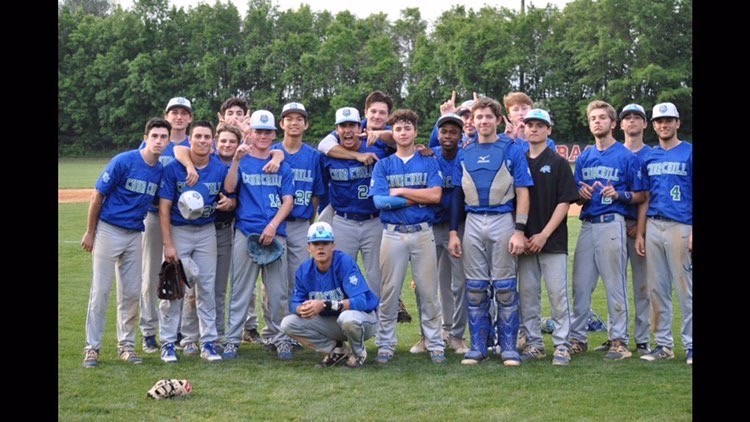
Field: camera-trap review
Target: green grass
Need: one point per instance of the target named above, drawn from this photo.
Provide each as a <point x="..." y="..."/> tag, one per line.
<point x="257" y="386"/>
<point x="79" y="173"/>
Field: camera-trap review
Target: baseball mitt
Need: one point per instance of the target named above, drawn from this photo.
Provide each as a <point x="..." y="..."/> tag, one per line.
<point x="261" y="254"/>
<point x="170" y="388"/>
<point x="172" y="281"/>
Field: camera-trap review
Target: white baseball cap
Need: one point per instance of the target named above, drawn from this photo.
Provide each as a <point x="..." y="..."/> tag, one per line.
<point x="262" y="119"/>
<point x="190" y="204"/>
<point x="347" y="114"/>
<point x="191" y="269"/>
<point x="465" y="107"/>
<point x="320" y="232"/>
<point x="293" y="108"/>
<point x="664" y="110"/>
<point x="179" y="102"/>
<point x="538" y="114"/>
<point x="633" y="109"/>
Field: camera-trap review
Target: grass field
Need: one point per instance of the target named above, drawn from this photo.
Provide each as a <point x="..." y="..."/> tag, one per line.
<point x="257" y="386"/>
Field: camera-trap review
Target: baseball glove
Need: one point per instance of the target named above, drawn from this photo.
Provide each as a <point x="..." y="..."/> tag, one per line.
<point x="172" y="281"/>
<point x="263" y="255"/>
<point x="170" y="388"/>
<point x="595" y="323"/>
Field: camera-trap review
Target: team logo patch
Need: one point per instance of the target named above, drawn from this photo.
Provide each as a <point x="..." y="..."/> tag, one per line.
<point x="353" y="280"/>
<point x="263" y="118"/>
<point x="545" y="169"/>
<point x="105" y="177"/>
<point x="346" y="112"/>
<point x="663" y="108"/>
<point x="483" y="159"/>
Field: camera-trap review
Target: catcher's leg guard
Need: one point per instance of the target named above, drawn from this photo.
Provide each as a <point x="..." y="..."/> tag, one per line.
<point x="478" y="303"/>
<point x="506" y="297"/>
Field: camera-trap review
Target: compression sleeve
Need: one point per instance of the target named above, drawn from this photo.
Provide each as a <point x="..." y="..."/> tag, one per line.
<point x="387" y="202"/>
<point x="458" y="212"/>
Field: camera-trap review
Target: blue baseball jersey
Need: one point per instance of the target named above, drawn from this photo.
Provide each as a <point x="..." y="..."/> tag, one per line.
<point x="524" y="144"/>
<point x="489" y="173"/>
<point x="128" y="185"/>
<point x="166" y="157"/>
<point x="632" y="210"/>
<point x="447" y="168"/>
<point x="417" y="172"/>
<point x="259" y="195"/>
<point x="668" y="175"/>
<point x="348" y="181"/>
<point x="435" y="142"/>
<point x="210" y="183"/>
<point x="617" y="166"/>
<point x="343" y="280"/>
<point x="306" y="165"/>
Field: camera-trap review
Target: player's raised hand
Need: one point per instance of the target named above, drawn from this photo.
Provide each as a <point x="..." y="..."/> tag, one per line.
<point x="242" y="151"/>
<point x="449" y="106"/>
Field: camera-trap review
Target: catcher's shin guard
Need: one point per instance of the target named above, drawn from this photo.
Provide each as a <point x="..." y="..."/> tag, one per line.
<point x="478" y="303"/>
<point x="507" y="317"/>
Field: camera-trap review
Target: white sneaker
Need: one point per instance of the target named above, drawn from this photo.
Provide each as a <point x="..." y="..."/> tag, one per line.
<point x="420" y="347"/>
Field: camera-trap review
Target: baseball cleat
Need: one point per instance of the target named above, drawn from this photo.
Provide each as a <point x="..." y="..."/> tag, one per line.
<point x="129" y="356"/>
<point x="531" y="352"/>
<point x="230" y="351"/>
<point x="618" y="350"/>
<point x="252" y="336"/>
<point x="337" y="355"/>
<point x="659" y="353"/>
<point x="150" y="344"/>
<point x="437" y="356"/>
<point x="168" y="354"/>
<point x="208" y="352"/>
<point x="604" y="347"/>
<point x="90" y="358"/>
<point x="642" y="348"/>
<point x="561" y="357"/>
<point x="383" y="358"/>
<point x="420" y="347"/>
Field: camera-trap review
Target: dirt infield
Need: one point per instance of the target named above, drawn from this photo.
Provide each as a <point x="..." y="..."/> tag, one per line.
<point x="69" y="196"/>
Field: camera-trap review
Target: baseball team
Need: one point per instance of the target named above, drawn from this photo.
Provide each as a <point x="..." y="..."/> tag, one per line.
<point x="479" y="216"/>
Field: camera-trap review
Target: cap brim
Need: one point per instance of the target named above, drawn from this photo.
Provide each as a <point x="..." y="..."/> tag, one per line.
<point x="348" y="121"/>
<point x="625" y="113"/>
<point x="190" y="110"/>
<point x="284" y="113"/>
<point x="538" y="120"/>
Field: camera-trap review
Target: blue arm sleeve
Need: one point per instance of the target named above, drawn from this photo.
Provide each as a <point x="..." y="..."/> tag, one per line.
<point x="387" y="202"/>
<point x="457" y="213"/>
<point x="358" y="302"/>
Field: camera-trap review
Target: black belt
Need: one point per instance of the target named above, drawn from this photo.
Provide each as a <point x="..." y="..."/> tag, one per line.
<point x="662" y="218"/>
<point x="486" y="212"/>
<point x="357" y="217"/>
<point x="222" y="224"/>
<point x="297" y="219"/>
<point x="407" y="228"/>
<point x="603" y="218"/>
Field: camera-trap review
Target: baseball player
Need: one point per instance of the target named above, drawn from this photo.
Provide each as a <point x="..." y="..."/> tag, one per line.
<point x="264" y="203"/>
<point x="179" y="114"/>
<point x="491" y="184"/>
<point x="356" y="219"/>
<point x="609" y="181"/>
<point x="195" y="238"/>
<point x="305" y="162"/>
<point x="665" y="231"/>
<point x="331" y="303"/>
<point x="450" y="271"/>
<point x="518" y="104"/>
<point x="633" y="123"/>
<point x="404" y="187"/>
<point x="546" y="242"/>
<point x="114" y="226"/>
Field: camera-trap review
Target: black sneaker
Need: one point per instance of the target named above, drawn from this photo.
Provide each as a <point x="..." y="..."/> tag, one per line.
<point x="269" y="347"/>
<point x="150" y="344"/>
<point x="642" y="349"/>
<point x="355" y="362"/>
<point x="403" y="314"/>
<point x="604" y="347"/>
<point x="252" y="337"/>
<point x="337" y="355"/>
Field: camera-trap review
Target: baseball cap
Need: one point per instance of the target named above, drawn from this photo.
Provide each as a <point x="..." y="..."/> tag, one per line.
<point x="191" y="269"/>
<point x="633" y="109"/>
<point x="538" y="114"/>
<point x="465" y="107"/>
<point x="450" y="117"/>
<point x="665" y="110"/>
<point x="293" y="108"/>
<point x="347" y="114"/>
<point x="179" y="102"/>
<point x="262" y="119"/>
<point x="320" y="232"/>
<point x="190" y="204"/>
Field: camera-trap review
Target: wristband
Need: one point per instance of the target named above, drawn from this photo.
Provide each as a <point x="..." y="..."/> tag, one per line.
<point x="521" y="227"/>
<point x="328" y="305"/>
<point x="270" y="223"/>
<point x="522" y="219"/>
<point x="624" y="196"/>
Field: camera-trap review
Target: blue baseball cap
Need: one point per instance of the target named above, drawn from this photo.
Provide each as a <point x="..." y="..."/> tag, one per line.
<point x="320" y="232"/>
<point x="538" y="114"/>
<point x="633" y="109"/>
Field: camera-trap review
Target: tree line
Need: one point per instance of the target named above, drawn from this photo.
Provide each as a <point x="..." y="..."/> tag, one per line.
<point x="118" y="67"/>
